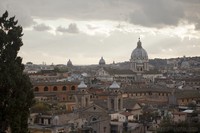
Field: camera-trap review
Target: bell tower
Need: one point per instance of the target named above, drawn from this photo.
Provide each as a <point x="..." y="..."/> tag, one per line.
<point x="82" y="96"/>
<point x="115" y="99"/>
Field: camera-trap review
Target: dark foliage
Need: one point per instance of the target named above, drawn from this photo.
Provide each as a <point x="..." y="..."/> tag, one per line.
<point x="16" y="95"/>
<point x="168" y="126"/>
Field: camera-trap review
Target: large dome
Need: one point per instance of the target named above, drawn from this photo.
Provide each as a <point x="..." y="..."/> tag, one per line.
<point x="102" y="61"/>
<point x="139" y="53"/>
<point x="185" y="63"/>
<point x="69" y="63"/>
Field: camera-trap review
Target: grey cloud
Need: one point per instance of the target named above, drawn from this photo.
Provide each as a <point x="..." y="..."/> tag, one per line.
<point x="21" y="12"/>
<point x="157" y="13"/>
<point x="149" y="13"/>
<point x="197" y="26"/>
<point x="90" y="27"/>
<point x="72" y="28"/>
<point x="41" y="27"/>
<point x="61" y="29"/>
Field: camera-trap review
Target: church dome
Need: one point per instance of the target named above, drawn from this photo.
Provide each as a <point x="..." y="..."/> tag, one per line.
<point x="139" y="53"/>
<point x="102" y="61"/>
<point x="185" y="63"/>
<point x="69" y="63"/>
<point x="82" y="85"/>
<point x="114" y="85"/>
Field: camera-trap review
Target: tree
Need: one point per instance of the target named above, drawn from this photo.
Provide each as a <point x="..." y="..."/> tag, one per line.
<point x="16" y="95"/>
<point x="168" y="126"/>
<point x="40" y="107"/>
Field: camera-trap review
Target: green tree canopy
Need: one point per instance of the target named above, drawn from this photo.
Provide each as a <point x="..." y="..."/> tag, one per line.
<point x="40" y="107"/>
<point x="16" y="95"/>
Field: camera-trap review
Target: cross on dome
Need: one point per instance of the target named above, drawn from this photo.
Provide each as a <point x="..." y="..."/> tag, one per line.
<point x="139" y="44"/>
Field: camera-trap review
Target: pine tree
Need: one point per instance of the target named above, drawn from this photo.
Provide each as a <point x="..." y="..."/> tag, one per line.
<point x="16" y="95"/>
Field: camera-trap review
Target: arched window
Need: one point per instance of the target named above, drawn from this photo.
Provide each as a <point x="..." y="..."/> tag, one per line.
<point x="73" y="88"/>
<point x="86" y="102"/>
<point x="36" y="89"/>
<point x="55" y="88"/>
<point x="112" y="104"/>
<point x="94" y="119"/>
<point x="70" y="97"/>
<point x="46" y="88"/>
<point x="119" y="104"/>
<point x="64" y="88"/>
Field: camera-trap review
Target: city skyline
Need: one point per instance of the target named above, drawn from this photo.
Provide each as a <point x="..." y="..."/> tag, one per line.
<point x="84" y="31"/>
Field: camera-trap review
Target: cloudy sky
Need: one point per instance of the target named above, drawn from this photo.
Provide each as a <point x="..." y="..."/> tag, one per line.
<point x="84" y="30"/>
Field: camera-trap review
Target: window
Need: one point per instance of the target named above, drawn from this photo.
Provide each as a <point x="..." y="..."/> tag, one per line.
<point x="94" y="119"/>
<point x="112" y="104"/>
<point x="46" y="88"/>
<point x="64" y="88"/>
<point x="73" y="88"/>
<point x="104" y="129"/>
<point x="119" y="104"/>
<point x="86" y="102"/>
<point x="55" y="88"/>
<point x="36" y="89"/>
<point x="70" y="97"/>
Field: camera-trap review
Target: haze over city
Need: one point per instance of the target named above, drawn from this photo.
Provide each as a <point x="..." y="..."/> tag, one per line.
<point x="84" y="31"/>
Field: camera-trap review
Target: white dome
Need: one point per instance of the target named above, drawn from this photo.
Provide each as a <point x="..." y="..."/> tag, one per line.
<point x="185" y="64"/>
<point x="82" y="85"/>
<point x="102" y="61"/>
<point x="139" y="52"/>
<point x="114" y="85"/>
